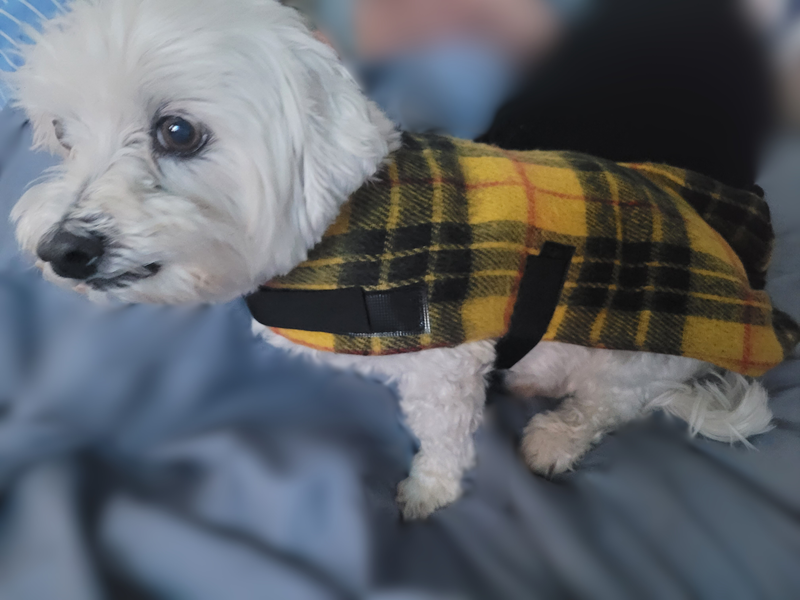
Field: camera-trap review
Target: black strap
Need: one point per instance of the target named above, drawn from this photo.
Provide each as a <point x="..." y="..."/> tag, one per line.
<point x="350" y="311"/>
<point x="404" y="311"/>
<point x="539" y="292"/>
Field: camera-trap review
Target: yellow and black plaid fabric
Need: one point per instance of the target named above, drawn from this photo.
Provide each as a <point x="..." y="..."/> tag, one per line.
<point x="666" y="261"/>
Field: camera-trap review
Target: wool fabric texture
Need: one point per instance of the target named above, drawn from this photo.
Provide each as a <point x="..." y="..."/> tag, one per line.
<point x="666" y="261"/>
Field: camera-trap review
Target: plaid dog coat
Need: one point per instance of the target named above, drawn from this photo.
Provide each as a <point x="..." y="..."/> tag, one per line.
<point x="454" y="242"/>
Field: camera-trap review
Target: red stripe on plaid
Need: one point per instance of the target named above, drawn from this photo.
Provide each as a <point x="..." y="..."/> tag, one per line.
<point x="747" y="338"/>
<point x="496" y="184"/>
<point x="747" y="333"/>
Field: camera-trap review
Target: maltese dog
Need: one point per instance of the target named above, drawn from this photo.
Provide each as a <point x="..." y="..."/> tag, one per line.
<point x="209" y="144"/>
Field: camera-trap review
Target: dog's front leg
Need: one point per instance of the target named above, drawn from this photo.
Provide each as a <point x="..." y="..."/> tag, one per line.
<point x="442" y="396"/>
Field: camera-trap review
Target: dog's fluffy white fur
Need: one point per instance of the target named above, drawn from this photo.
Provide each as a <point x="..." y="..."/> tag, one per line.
<point x="290" y="137"/>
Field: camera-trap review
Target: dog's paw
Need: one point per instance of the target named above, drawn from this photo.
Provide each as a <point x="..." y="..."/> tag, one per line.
<point x="550" y="446"/>
<point x="422" y="493"/>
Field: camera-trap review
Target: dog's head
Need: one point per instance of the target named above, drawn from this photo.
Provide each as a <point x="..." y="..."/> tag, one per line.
<point x="207" y="145"/>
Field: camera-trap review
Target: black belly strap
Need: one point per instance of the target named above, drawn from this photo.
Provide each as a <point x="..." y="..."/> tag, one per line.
<point x="404" y="311"/>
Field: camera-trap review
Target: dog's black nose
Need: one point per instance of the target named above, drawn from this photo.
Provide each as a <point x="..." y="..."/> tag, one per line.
<point x="72" y="256"/>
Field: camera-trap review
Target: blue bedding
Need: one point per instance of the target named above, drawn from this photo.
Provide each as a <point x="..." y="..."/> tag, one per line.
<point x="150" y="452"/>
<point x="15" y="16"/>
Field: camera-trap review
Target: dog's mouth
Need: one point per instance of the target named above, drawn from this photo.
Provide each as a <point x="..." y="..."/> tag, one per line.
<point x="118" y="282"/>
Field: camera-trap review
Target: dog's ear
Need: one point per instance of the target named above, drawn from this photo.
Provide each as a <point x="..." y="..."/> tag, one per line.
<point x="346" y="137"/>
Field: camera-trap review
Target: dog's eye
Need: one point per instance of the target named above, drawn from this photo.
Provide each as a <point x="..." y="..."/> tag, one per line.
<point x="58" y="126"/>
<point x="176" y="135"/>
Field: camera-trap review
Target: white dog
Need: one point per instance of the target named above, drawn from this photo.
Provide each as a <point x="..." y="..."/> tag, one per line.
<point x="208" y="146"/>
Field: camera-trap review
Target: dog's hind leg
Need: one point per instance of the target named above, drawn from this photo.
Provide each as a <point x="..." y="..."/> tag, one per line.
<point x="554" y="441"/>
<point x="605" y="389"/>
<point x="546" y="371"/>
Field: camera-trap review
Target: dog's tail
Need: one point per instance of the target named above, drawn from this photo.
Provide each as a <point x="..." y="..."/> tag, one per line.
<point x="726" y="407"/>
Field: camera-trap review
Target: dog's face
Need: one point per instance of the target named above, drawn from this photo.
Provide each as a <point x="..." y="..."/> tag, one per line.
<point x="207" y="145"/>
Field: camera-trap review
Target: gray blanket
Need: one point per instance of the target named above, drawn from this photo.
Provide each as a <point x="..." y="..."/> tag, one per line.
<point x="164" y="453"/>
